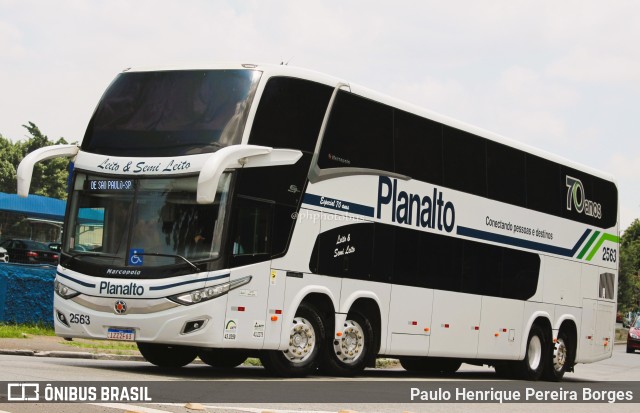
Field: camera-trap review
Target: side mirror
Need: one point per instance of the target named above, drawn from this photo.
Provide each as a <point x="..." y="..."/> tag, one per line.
<point x="25" y="169"/>
<point x="239" y="156"/>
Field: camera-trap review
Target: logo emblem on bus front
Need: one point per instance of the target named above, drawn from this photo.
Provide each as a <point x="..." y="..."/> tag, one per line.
<point x="120" y="307"/>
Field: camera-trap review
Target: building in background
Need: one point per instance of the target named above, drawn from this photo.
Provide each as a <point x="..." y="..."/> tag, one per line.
<point x="37" y="218"/>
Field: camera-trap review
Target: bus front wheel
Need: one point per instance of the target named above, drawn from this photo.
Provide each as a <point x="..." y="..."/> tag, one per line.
<point x="300" y="358"/>
<point x="168" y="356"/>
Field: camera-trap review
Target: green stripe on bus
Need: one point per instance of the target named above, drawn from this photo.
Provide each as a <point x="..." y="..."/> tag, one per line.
<point x="603" y="238"/>
<point x="586" y="247"/>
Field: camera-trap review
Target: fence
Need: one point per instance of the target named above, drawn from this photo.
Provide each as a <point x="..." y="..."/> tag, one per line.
<point x="26" y="293"/>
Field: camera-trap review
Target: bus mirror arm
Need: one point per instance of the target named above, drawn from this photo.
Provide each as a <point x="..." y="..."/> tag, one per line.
<point x="25" y="169"/>
<point x="239" y="156"/>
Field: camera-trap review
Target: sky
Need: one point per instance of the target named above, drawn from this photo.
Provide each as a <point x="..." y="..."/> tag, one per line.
<point x="563" y="76"/>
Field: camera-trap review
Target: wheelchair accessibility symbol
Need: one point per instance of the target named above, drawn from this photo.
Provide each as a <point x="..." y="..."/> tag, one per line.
<point x="136" y="257"/>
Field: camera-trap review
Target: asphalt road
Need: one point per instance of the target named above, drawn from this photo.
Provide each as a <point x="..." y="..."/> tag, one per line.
<point x="621" y="367"/>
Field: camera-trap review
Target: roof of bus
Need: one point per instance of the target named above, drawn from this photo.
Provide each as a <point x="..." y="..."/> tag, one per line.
<point x="291" y="71"/>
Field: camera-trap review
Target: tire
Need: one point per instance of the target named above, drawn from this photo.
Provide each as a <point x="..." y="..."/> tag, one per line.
<point x="306" y="339"/>
<point x="223" y="358"/>
<point x="348" y="354"/>
<point x="431" y="365"/>
<point x="562" y="357"/>
<point x="168" y="356"/>
<point x="630" y="350"/>
<point x="535" y="359"/>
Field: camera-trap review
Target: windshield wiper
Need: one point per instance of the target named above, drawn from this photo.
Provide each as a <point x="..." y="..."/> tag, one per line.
<point x="157" y="254"/>
<point x="91" y="254"/>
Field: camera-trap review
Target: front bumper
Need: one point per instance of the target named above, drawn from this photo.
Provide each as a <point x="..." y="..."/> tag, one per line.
<point x="153" y="320"/>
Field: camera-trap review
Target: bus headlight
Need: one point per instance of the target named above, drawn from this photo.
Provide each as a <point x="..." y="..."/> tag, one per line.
<point x="209" y="293"/>
<point x="64" y="291"/>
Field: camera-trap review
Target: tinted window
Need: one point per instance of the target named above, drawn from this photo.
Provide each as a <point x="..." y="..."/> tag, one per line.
<point x="283" y="222"/>
<point x="407" y="252"/>
<point x="544" y="186"/>
<point x="421" y="259"/>
<point x="441" y="261"/>
<point x="520" y="272"/>
<point x="171" y="113"/>
<point x="606" y="194"/>
<point x="506" y="174"/>
<point x="345" y="251"/>
<point x="588" y="199"/>
<point x="383" y="253"/>
<point x="252" y="231"/>
<point x="418" y="147"/>
<point x="359" y="135"/>
<point x="464" y="162"/>
<point x="481" y="268"/>
<point x="282" y="184"/>
<point x="290" y="114"/>
<point x="577" y="191"/>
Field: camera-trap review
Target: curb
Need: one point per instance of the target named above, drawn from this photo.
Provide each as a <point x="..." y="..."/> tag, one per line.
<point x="72" y="355"/>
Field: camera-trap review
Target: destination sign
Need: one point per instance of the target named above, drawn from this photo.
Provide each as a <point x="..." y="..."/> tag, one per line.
<point x="109" y="185"/>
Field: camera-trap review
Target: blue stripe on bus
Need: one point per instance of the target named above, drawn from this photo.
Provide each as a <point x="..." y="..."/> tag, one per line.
<point x="84" y="284"/>
<point x="517" y="242"/>
<point x="344" y="206"/>
<point x="164" y="287"/>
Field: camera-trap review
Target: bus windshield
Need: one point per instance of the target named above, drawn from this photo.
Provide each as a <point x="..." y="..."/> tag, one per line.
<point x="171" y="113"/>
<point x="148" y="222"/>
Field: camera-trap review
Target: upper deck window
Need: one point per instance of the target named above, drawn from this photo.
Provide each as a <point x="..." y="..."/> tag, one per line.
<point x="171" y="113"/>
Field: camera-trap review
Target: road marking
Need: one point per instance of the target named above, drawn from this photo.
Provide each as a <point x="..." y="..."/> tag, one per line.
<point x="261" y="410"/>
<point x="250" y="409"/>
<point x="130" y="407"/>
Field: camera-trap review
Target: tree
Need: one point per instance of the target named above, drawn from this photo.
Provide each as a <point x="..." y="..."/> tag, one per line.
<point x="629" y="275"/>
<point x="9" y="158"/>
<point x="49" y="177"/>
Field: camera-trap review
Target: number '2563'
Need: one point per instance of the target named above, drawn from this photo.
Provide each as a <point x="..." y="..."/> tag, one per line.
<point x="609" y="254"/>
<point x="79" y="319"/>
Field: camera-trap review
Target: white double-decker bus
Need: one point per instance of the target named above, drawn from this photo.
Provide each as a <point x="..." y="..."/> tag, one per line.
<point x="253" y="210"/>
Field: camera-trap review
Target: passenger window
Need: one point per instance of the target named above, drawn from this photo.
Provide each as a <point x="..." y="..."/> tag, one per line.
<point x="282" y="184"/>
<point x="418" y="147"/>
<point x="251" y="235"/>
<point x="290" y="114"/>
<point x="407" y="252"/>
<point x="344" y="252"/>
<point x="359" y="135"/>
<point x="464" y="162"/>
<point x="543" y="186"/>
<point x="506" y="174"/>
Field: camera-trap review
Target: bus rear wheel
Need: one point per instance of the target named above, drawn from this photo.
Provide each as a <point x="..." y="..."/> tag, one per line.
<point x="536" y="357"/>
<point x="347" y="353"/>
<point x="562" y="358"/>
<point x="223" y="358"/>
<point x="301" y="357"/>
<point x="166" y="355"/>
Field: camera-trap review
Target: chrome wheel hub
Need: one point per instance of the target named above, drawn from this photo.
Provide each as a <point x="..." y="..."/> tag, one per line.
<point x="559" y="355"/>
<point x="302" y="341"/>
<point x="349" y="346"/>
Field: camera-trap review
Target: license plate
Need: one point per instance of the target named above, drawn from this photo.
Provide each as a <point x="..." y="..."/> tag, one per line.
<point x="124" y="334"/>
